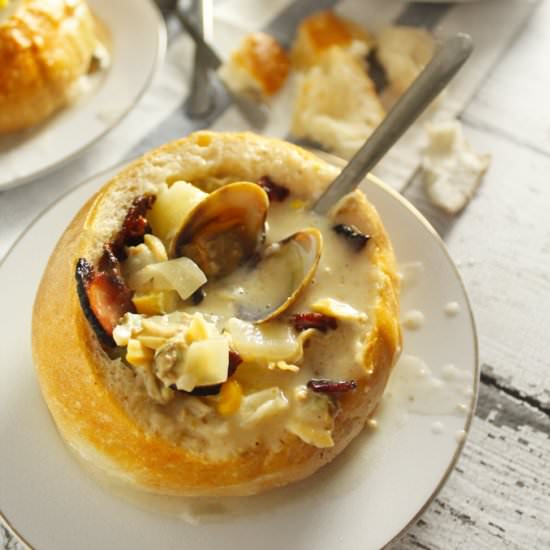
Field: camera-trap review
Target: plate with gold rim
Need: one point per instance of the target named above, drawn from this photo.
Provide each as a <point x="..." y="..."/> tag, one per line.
<point x="107" y="95"/>
<point x="364" y="499"/>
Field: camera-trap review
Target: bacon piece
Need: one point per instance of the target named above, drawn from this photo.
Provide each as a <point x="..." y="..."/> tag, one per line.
<point x="84" y="274"/>
<point x="234" y="361"/>
<point x="331" y="386"/>
<point x="104" y="296"/>
<point x="275" y="192"/>
<point x="355" y="238"/>
<point x="319" y="321"/>
<point x="109" y="299"/>
<point x="198" y="296"/>
<point x="134" y="226"/>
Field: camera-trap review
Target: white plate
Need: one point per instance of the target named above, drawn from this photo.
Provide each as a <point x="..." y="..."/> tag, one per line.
<point x="138" y="41"/>
<point x="363" y="500"/>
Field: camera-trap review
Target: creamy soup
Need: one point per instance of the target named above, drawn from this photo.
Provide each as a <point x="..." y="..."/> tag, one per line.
<point x="285" y="374"/>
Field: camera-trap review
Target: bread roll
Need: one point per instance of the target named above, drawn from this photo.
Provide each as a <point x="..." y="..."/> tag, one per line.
<point x="336" y="104"/>
<point x="45" y="47"/>
<point x="300" y="394"/>
<point x="403" y="52"/>
<point x="320" y="32"/>
<point x="259" y="67"/>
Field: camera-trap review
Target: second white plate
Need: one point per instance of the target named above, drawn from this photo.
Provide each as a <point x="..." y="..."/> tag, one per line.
<point x="138" y="42"/>
<point x="361" y="501"/>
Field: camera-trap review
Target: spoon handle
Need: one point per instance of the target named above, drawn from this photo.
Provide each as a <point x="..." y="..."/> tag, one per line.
<point x="429" y="83"/>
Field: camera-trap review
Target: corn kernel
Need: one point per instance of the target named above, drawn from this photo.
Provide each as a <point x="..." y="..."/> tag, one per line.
<point x="157" y="248"/>
<point x="197" y="331"/>
<point x="297" y="204"/>
<point x="230" y="398"/>
<point x="283" y="365"/>
<point x="155" y="303"/>
<point x="152" y="342"/>
<point x="203" y="140"/>
<point x="138" y="355"/>
<point x="154" y="328"/>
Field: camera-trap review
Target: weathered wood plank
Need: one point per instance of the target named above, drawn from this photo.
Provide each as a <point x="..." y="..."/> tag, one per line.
<point x="499" y="494"/>
<point x="7" y="540"/>
<point x="501" y="243"/>
<point x="514" y="99"/>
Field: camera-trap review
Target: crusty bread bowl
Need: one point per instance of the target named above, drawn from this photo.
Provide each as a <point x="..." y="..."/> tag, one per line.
<point x="100" y="405"/>
<point x="45" y="47"/>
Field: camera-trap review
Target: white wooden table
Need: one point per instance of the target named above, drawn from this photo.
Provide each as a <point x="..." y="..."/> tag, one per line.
<point x="499" y="493"/>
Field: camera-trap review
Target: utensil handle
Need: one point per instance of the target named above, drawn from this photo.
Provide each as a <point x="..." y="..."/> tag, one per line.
<point x="211" y="58"/>
<point x="254" y="112"/>
<point x="200" y="100"/>
<point x="429" y="83"/>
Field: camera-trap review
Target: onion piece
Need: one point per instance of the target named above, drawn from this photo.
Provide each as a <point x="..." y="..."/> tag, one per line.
<point x="339" y="310"/>
<point x="270" y="342"/>
<point x="205" y="364"/>
<point x="172" y="206"/>
<point x="180" y="274"/>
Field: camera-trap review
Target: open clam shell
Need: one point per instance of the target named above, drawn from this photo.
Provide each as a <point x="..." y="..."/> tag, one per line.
<point x="224" y="229"/>
<point x="278" y="278"/>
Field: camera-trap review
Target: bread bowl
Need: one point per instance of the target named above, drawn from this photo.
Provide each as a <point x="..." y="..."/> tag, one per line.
<point x="301" y="392"/>
<point x="45" y="47"/>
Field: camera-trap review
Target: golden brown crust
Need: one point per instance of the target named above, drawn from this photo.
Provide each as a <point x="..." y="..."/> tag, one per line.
<point x="266" y="61"/>
<point x="68" y="358"/>
<point x="321" y="31"/>
<point x="45" y="46"/>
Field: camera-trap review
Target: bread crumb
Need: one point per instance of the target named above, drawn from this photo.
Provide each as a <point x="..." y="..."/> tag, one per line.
<point x="320" y="32"/>
<point x="258" y="68"/>
<point x="403" y="52"/>
<point x="337" y="105"/>
<point x="451" y="171"/>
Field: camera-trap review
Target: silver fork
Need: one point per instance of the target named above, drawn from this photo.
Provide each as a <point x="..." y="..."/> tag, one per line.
<point x="206" y="59"/>
<point x="200" y="100"/>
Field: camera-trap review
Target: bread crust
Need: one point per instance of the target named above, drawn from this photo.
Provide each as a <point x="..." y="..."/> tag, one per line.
<point x="264" y="60"/>
<point x="45" y="46"/>
<point x="68" y="357"/>
<point x="320" y="32"/>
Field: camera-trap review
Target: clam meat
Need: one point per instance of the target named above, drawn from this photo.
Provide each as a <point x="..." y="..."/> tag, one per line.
<point x="272" y="281"/>
<point x="224" y="229"/>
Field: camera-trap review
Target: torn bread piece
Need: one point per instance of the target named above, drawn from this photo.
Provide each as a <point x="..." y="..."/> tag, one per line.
<point x="403" y="52"/>
<point x="336" y="104"/>
<point x="451" y="171"/>
<point x="320" y="32"/>
<point x="258" y="68"/>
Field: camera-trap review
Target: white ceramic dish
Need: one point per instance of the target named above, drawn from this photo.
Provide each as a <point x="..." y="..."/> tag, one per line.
<point x="138" y="42"/>
<point x="363" y="500"/>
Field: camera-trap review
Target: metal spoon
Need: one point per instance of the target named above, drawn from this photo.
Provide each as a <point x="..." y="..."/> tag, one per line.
<point x="428" y="84"/>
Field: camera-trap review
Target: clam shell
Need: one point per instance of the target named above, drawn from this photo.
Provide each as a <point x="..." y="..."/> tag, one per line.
<point x="298" y="255"/>
<point x="224" y="229"/>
